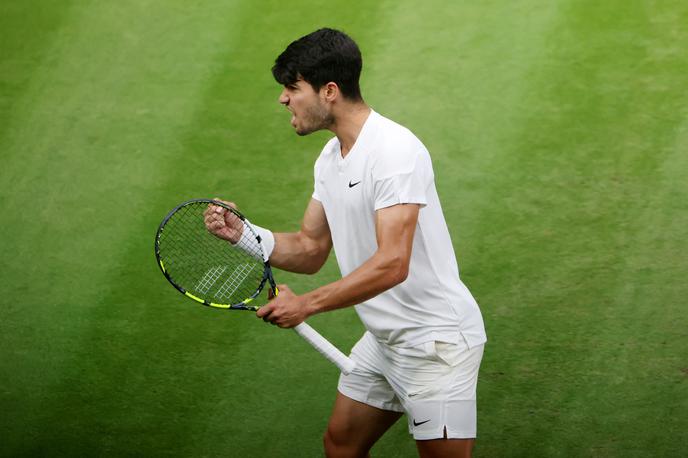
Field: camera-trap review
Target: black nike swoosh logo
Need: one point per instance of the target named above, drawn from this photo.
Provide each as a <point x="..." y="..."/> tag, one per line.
<point x="420" y="423"/>
<point x="351" y="185"/>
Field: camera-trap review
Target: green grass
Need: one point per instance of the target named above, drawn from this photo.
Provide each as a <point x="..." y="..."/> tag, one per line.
<point x="559" y="136"/>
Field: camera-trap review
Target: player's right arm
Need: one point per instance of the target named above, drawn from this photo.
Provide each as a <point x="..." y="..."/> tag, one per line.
<point x="307" y="250"/>
<point x="304" y="251"/>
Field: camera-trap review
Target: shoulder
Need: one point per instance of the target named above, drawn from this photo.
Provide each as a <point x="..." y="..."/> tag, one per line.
<point x="392" y="132"/>
<point x="397" y="149"/>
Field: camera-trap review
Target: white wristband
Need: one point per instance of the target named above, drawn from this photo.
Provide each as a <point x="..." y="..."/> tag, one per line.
<point x="267" y="240"/>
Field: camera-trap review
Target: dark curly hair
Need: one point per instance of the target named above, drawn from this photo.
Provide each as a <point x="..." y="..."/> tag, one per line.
<point x="321" y="57"/>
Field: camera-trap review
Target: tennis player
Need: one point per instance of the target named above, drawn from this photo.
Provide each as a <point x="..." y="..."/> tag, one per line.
<point x="375" y="201"/>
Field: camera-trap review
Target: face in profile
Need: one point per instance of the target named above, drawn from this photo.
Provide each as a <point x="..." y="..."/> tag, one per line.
<point x="309" y="111"/>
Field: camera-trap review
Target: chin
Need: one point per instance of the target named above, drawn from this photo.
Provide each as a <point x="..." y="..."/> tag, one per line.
<point x="302" y="132"/>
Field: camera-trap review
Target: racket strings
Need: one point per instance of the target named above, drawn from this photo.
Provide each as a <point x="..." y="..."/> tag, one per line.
<point x="206" y="266"/>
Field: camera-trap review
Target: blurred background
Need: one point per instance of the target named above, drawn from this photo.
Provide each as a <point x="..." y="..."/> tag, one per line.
<point x="559" y="136"/>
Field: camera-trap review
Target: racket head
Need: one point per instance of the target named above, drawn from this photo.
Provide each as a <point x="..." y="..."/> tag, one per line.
<point x="208" y="269"/>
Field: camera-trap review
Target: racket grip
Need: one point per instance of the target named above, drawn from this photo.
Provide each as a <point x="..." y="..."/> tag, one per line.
<point x="329" y="351"/>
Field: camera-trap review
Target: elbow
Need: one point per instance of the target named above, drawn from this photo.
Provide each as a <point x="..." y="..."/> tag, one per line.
<point x="311" y="269"/>
<point x="400" y="275"/>
<point x="397" y="271"/>
<point x="313" y="266"/>
<point x="317" y="256"/>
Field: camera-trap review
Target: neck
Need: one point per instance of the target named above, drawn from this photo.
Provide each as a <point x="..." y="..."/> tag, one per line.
<point x="349" y="123"/>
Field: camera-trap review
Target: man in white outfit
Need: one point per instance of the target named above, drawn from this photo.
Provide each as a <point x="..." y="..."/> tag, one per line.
<point x="375" y="202"/>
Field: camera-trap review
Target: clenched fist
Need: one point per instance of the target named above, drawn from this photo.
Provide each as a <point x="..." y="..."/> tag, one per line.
<point x="223" y="223"/>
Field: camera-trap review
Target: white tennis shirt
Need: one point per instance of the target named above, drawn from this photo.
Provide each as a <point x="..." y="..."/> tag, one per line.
<point x="388" y="165"/>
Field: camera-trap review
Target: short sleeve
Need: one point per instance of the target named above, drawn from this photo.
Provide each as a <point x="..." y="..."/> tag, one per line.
<point x="404" y="179"/>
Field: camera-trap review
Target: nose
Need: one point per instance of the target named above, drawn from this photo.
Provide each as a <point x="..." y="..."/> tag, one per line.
<point x="284" y="98"/>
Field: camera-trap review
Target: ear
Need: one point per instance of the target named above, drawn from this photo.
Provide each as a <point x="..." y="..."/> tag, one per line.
<point x="330" y="91"/>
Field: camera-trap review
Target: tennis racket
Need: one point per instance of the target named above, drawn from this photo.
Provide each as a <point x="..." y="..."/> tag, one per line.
<point x="217" y="273"/>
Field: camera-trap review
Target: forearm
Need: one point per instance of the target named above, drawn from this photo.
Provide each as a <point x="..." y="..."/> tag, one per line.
<point x="380" y="273"/>
<point x="387" y="268"/>
<point x="307" y="250"/>
<point x="295" y="252"/>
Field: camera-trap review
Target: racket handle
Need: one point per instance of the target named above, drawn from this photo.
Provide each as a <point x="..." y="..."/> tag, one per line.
<point x="329" y="351"/>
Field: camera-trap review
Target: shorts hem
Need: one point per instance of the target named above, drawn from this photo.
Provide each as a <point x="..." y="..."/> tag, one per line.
<point x="378" y="405"/>
<point x="426" y="436"/>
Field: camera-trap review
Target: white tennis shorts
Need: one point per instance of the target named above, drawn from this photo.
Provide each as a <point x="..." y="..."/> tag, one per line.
<point x="433" y="383"/>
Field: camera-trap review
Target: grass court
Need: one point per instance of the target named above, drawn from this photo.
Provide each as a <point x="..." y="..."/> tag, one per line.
<point x="559" y="136"/>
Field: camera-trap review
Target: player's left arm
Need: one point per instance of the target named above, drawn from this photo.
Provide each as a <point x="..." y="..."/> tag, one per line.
<point x="395" y="227"/>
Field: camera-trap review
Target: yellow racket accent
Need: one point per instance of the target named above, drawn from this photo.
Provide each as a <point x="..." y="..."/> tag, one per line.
<point x="197" y="299"/>
<point x="219" y="306"/>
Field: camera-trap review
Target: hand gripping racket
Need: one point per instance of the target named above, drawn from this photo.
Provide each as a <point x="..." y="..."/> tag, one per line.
<point x="217" y="273"/>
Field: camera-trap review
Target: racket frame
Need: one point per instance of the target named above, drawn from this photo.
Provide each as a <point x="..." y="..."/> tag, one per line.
<point x="244" y="304"/>
<point x="322" y="345"/>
